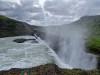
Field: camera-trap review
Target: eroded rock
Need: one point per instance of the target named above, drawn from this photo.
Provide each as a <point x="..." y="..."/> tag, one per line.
<point x="22" y="40"/>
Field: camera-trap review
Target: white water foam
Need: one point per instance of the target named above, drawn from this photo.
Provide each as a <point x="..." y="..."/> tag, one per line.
<point x="27" y="54"/>
<point x="70" y="41"/>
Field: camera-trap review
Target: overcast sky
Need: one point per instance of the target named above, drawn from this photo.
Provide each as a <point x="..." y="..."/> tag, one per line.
<point x="49" y="12"/>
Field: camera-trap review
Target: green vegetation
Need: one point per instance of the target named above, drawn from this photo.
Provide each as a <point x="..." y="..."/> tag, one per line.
<point x="7" y="26"/>
<point x="7" y="20"/>
<point x="10" y="27"/>
<point x="81" y="72"/>
<point x="94" y="44"/>
<point x="5" y="33"/>
<point x="95" y="30"/>
<point x="3" y="17"/>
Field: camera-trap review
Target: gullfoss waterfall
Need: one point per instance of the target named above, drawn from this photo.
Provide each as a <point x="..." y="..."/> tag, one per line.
<point x="27" y="54"/>
<point x="69" y="43"/>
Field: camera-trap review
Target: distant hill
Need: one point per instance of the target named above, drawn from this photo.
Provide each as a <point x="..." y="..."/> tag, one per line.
<point x="11" y="27"/>
<point x="88" y="19"/>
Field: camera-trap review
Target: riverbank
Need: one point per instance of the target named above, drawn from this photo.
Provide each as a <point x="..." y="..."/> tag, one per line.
<point x="50" y="69"/>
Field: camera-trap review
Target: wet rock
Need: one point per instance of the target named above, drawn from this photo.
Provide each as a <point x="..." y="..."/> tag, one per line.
<point x="22" y="40"/>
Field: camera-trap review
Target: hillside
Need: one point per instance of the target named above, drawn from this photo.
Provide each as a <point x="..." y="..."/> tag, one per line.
<point x="87" y="20"/>
<point x="11" y="27"/>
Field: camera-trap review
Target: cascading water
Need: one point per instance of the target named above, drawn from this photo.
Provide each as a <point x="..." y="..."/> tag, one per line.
<point x="27" y="54"/>
<point x="69" y="41"/>
<point x="71" y="45"/>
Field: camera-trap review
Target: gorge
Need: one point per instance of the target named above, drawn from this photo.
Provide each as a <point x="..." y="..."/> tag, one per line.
<point x="66" y="44"/>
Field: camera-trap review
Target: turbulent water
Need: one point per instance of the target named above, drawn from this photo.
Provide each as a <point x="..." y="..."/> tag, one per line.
<point x="68" y="41"/>
<point x="70" y="45"/>
<point x="27" y="54"/>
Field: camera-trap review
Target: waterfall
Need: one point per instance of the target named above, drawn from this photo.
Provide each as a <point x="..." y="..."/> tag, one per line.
<point x="70" y="41"/>
<point x="27" y="54"/>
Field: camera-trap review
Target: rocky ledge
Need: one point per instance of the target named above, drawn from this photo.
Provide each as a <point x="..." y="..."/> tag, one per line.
<point x="49" y="69"/>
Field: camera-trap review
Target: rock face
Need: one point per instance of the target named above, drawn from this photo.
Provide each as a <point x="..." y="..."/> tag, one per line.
<point x="10" y="27"/>
<point x="49" y="69"/>
<point x="22" y="40"/>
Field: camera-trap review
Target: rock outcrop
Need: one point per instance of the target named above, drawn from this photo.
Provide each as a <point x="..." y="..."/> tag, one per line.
<point x="22" y="40"/>
<point x="49" y="69"/>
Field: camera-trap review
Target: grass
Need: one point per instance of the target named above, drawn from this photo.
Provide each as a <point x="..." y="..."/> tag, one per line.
<point x="81" y="72"/>
<point x="94" y="44"/>
<point x="4" y="18"/>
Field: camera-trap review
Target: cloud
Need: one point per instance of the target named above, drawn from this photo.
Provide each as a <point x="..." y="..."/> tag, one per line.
<point x="49" y="12"/>
<point x="58" y="7"/>
<point x="4" y="6"/>
<point x="71" y="10"/>
<point x="25" y="11"/>
<point x="72" y="7"/>
<point x="66" y="10"/>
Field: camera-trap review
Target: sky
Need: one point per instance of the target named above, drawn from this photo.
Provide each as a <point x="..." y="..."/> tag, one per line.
<point x="49" y="12"/>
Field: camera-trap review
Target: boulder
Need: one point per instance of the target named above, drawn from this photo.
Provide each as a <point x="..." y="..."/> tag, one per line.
<point x="22" y="40"/>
